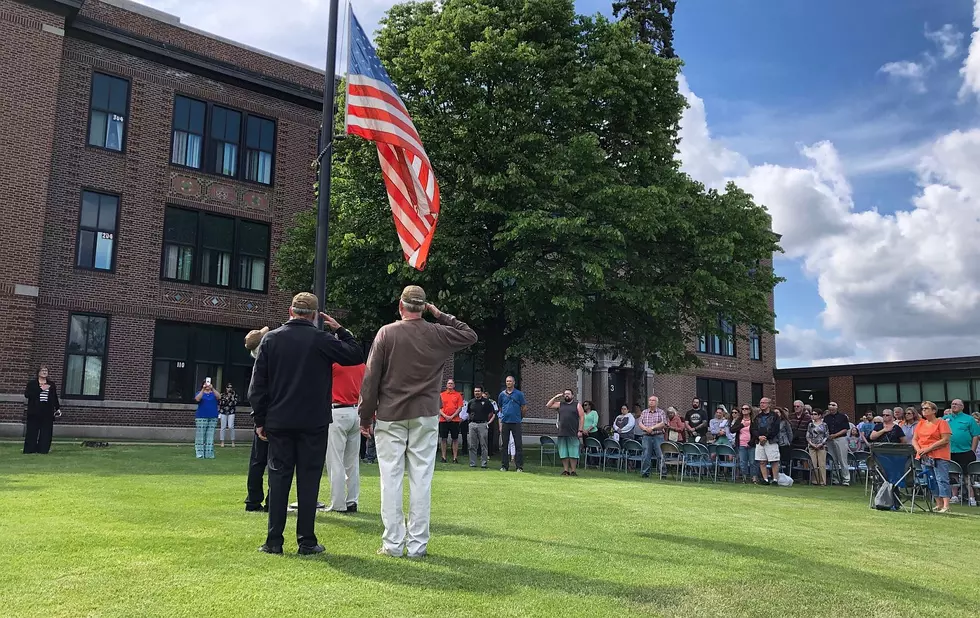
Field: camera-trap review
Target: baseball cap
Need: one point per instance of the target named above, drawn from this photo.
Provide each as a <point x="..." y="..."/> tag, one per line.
<point x="413" y="297"/>
<point x="304" y="302"/>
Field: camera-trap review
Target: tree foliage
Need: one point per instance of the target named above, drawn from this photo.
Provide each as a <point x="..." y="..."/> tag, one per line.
<point x="654" y="20"/>
<point x="564" y="217"/>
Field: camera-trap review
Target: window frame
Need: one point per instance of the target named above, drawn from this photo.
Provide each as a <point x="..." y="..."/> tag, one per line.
<point x="88" y="123"/>
<point x="755" y="345"/>
<point x="757" y="386"/>
<point x="105" y="356"/>
<point x="207" y="152"/>
<point x="714" y="344"/>
<point x="204" y="136"/>
<point x="115" y="237"/>
<point x="228" y="365"/>
<point x="198" y="247"/>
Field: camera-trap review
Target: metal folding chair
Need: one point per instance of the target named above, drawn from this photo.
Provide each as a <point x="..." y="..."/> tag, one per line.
<point x="550" y="448"/>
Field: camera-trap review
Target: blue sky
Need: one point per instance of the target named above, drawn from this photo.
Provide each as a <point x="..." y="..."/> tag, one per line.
<point x="856" y="123"/>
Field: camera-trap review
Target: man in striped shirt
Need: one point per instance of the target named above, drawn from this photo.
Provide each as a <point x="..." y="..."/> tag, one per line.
<point x="651" y="426"/>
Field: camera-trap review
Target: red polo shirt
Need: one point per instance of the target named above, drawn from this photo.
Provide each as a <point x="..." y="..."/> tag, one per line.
<point x="347" y="384"/>
<point x="451" y="402"/>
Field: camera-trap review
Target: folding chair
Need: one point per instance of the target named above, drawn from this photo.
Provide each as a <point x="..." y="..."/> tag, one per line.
<point x="550" y="448"/>
<point x="973" y="474"/>
<point x="673" y="458"/>
<point x="611" y="451"/>
<point x="923" y="483"/>
<point x="694" y="460"/>
<point x="592" y="451"/>
<point x="799" y="461"/>
<point x="632" y="453"/>
<point x="954" y="468"/>
<point x="725" y="457"/>
<point x="891" y="463"/>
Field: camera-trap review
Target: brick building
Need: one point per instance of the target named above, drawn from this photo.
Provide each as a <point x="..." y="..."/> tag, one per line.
<point x="876" y="386"/>
<point x="157" y="169"/>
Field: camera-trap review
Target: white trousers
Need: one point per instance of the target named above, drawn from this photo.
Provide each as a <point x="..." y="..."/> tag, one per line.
<point x="407" y="444"/>
<point x="343" y="464"/>
<point x="227" y="422"/>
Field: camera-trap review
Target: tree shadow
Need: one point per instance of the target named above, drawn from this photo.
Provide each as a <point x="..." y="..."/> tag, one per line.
<point x="792" y="565"/>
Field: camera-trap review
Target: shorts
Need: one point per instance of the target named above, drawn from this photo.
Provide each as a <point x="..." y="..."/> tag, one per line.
<point x="767" y="452"/>
<point x="964" y="459"/>
<point x="448" y="427"/>
<point x="568" y="448"/>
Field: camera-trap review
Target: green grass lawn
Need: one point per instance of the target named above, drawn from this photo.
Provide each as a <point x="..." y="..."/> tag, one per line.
<point x="152" y="531"/>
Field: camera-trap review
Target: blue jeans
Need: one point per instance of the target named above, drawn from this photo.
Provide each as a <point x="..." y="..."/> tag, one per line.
<point x="204" y="437"/>
<point x="940" y="468"/>
<point x="746" y="459"/>
<point x="651" y="445"/>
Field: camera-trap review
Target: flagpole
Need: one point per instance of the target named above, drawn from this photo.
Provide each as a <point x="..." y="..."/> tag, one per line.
<point x="326" y="160"/>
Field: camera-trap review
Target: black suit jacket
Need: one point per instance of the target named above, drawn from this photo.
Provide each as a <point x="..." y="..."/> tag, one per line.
<point x="34" y="405"/>
<point x="292" y="379"/>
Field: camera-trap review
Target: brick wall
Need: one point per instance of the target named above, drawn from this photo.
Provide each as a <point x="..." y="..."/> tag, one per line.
<point x="784" y="393"/>
<point x="842" y="391"/>
<point x="31" y="50"/>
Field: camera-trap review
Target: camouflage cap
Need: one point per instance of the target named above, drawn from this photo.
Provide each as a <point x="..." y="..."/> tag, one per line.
<point x="305" y="303"/>
<point x="413" y="297"/>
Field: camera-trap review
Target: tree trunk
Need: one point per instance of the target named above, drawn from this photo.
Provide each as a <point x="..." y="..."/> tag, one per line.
<point x="639" y="381"/>
<point x="494" y="358"/>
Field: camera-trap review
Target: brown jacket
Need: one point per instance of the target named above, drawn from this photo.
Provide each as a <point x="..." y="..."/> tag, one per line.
<point x="404" y="368"/>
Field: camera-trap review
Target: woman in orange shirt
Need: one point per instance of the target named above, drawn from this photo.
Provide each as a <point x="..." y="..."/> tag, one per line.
<point x="931" y="442"/>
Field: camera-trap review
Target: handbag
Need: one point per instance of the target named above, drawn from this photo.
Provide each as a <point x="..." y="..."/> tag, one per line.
<point x="673" y="436"/>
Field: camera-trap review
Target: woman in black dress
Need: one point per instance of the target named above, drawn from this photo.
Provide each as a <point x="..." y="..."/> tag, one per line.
<point x="42" y="408"/>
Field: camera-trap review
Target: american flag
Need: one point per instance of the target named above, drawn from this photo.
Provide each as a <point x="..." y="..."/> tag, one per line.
<point x="377" y="113"/>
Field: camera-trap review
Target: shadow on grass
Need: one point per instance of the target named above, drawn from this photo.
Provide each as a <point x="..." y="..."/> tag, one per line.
<point x="499" y="579"/>
<point x="791" y="566"/>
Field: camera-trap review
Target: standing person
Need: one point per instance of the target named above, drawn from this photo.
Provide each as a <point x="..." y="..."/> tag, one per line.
<point x="449" y="419"/>
<point x="493" y="429"/>
<point x="718" y="426"/>
<point x="742" y="430"/>
<point x="817" y="437"/>
<point x="908" y="422"/>
<point x="290" y="395"/>
<point x="800" y="420"/>
<point x="226" y="413"/>
<point x="887" y="432"/>
<point x="785" y="441"/>
<point x="765" y="435"/>
<point x="571" y="422"/>
<point x="258" y="459"/>
<point x="624" y="425"/>
<point x="513" y="406"/>
<point x="696" y="422"/>
<point x="482" y="416"/>
<point x="931" y="441"/>
<point x="962" y="444"/>
<point x="344" y="443"/>
<point x="838" y="425"/>
<point x="867" y="425"/>
<point x="42" y="408"/>
<point x="652" y="426"/>
<point x="205" y="420"/>
<point x="592" y="429"/>
<point x="675" y="426"/>
<point x="401" y="386"/>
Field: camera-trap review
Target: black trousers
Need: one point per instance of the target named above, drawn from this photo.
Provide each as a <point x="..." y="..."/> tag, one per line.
<point x="258" y="460"/>
<point x="506" y="431"/>
<point x="493" y="438"/>
<point x="464" y="430"/>
<point x="303" y="451"/>
<point x="40" y="428"/>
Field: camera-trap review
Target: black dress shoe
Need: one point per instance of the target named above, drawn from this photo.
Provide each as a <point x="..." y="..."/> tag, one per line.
<point x="351" y="507"/>
<point x="310" y="550"/>
<point x="277" y="550"/>
<point x="252" y="508"/>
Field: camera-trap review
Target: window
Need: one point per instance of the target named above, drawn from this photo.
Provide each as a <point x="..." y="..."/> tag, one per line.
<point x="203" y="248"/>
<point x="185" y="354"/>
<point x="958" y="389"/>
<point x="179" y="242"/>
<point x="715" y="392"/>
<point x="226" y="127"/>
<point x="188" y="138"/>
<point x="934" y="392"/>
<point x="756" y="394"/>
<point x="755" y="345"/>
<point x="97" y="231"/>
<point x="723" y="345"/>
<point x="85" y="355"/>
<point x="887" y="393"/>
<point x="864" y="393"/>
<point x="259" y="137"/>
<point x="107" y="112"/>
<point x="468" y="373"/>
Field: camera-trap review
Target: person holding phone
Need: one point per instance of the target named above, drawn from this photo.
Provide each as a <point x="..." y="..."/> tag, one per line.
<point x="205" y="420"/>
<point x="42" y="408"/>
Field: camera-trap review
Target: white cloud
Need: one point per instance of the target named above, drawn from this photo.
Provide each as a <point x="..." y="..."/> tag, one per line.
<point x="894" y="286"/>
<point x="948" y="39"/>
<point x="914" y="72"/>
<point x="705" y="158"/>
<point x="971" y="67"/>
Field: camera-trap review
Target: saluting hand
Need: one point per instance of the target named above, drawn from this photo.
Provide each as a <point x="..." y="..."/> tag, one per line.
<point x="433" y="310"/>
<point x="331" y="323"/>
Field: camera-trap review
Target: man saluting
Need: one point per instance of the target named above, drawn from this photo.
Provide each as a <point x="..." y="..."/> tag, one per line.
<point x="290" y="395"/>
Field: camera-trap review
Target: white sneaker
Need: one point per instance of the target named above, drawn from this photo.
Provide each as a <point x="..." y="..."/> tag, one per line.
<point x="973" y="501"/>
<point x="954" y="500"/>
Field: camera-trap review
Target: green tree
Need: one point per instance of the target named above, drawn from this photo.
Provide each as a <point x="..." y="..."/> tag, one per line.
<point x="564" y="217"/>
<point x="654" y="20"/>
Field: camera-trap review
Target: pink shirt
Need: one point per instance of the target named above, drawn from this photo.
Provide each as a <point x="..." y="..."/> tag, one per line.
<point x="744" y="435"/>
